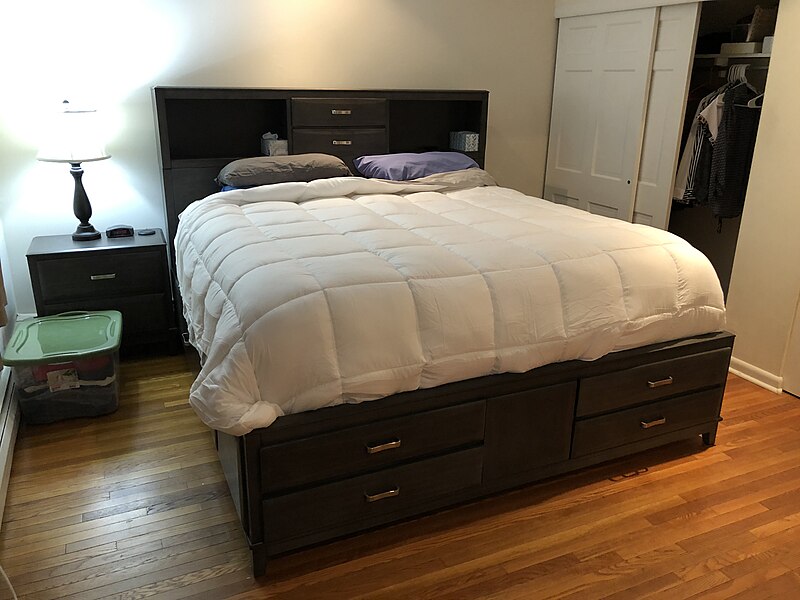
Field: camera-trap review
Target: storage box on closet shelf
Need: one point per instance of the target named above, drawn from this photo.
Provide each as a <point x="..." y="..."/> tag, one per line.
<point x="272" y="146"/>
<point x="735" y="48"/>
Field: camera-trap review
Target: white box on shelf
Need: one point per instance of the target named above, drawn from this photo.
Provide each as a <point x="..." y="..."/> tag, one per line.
<point x="766" y="48"/>
<point x="741" y="48"/>
<point x="465" y="141"/>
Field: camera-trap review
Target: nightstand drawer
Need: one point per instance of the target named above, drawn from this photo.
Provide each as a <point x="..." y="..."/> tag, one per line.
<point x="98" y="275"/>
<point x="644" y="422"/>
<point x="339" y="142"/>
<point x="355" y="450"/>
<point x="638" y="385"/>
<point x="338" y="112"/>
<point x="140" y="314"/>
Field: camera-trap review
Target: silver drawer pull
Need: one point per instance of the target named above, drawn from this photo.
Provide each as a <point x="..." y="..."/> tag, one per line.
<point x="102" y="277"/>
<point x="653" y="423"/>
<point x="659" y="383"/>
<point x="342" y="142"/>
<point x="341" y="111"/>
<point x="395" y="491"/>
<point x="395" y="443"/>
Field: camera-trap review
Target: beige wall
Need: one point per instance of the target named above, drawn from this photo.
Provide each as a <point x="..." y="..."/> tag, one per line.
<point x="111" y="53"/>
<point x="766" y="273"/>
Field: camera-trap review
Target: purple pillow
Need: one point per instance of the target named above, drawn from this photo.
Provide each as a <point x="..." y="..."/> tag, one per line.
<point x="410" y="165"/>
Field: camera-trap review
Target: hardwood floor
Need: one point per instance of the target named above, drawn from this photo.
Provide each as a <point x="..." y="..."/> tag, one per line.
<point x="134" y="505"/>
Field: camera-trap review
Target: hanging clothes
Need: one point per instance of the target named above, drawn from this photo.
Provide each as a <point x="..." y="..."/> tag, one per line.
<point x="732" y="152"/>
<point x="695" y="151"/>
<point x="714" y="170"/>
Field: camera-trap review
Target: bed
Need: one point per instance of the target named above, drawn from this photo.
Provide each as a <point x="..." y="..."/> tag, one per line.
<point x="430" y="342"/>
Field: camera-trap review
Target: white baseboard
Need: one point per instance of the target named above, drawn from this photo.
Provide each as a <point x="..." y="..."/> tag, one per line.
<point x="753" y="374"/>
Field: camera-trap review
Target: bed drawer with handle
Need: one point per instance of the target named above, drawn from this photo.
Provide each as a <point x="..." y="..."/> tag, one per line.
<point x="370" y="447"/>
<point x="120" y="274"/>
<point x="359" y="502"/>
<point x="339" y="142"/>
<point x="643" y="422"/>
<point x="621" y="389"/>
<point x="338" y="112"/>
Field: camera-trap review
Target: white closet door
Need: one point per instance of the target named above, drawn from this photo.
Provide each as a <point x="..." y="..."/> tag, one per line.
<point x="674" y="51"/>
<point x="599" y="100"/>
<point x="791" y="369"/>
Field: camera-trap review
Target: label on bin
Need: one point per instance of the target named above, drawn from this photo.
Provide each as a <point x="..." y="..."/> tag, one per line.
<point x="65" y="379"/>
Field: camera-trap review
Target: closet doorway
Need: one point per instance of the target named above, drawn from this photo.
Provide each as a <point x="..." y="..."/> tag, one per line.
<point x="721" y="46"/>
<point x="626" y="88"/>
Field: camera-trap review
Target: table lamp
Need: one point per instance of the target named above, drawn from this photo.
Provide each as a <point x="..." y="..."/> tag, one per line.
<point x="75" y="139"/>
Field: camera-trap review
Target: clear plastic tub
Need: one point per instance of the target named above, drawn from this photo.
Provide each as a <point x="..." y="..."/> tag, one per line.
<point x="66" y="366"/>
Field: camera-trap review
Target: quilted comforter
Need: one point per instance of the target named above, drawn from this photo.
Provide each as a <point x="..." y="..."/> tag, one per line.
<point x="305" y="295"/>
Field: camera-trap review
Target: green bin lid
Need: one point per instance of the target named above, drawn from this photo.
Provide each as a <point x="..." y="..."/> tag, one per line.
<point x="67" y="336"/>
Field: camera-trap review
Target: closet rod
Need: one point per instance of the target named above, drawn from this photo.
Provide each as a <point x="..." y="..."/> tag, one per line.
<point x="724" y="72"/>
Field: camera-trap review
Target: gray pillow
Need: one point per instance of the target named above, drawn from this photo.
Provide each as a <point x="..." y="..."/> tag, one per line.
<point x="262" y="170"/>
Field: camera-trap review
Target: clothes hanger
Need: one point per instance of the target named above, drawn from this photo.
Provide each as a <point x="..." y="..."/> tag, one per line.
<point x="753" y="102"/>
<point x="739" y="73"/>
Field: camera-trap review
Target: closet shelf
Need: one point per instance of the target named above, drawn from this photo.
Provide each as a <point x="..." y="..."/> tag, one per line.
<point x="728" y="56"/>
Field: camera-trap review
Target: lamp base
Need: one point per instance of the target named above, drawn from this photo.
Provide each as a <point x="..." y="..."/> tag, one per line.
<point x="85" y="233"/>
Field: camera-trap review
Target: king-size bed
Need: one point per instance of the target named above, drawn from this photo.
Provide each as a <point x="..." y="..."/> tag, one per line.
<point x="373" y="350"/>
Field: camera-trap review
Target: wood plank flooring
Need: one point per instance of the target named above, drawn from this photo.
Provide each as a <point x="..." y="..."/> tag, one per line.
<point x="134" y="505"/>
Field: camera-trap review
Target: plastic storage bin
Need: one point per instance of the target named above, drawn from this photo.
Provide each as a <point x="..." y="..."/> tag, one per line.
<point x="65" y="366"/>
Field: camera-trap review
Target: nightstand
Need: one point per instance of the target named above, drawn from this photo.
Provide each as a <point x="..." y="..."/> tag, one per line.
<point x="130" y="275"/>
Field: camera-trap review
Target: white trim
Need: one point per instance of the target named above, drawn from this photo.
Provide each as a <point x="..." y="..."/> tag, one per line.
<point x="9" y="425"/>
<point x="753" y="374"/>
<point x="577" y="8"/>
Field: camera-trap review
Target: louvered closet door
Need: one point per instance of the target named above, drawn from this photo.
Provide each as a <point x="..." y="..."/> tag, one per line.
<point x="599" y="99"/>
<point x="674" y="51"/>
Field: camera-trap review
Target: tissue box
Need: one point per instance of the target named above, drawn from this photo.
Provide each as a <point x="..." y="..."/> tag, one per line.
<point x="465" y="141"/>
<point x="274" y="147"/>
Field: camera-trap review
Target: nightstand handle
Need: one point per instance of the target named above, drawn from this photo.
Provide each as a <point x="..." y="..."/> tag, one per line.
<point x="395" y="443"/>
<point x="341" y="111"/>
<point x="104" y="276"/>
<point x="660" y="382"/>
<point x="395" y="491"/>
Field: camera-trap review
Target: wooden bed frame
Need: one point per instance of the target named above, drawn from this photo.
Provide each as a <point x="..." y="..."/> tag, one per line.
<point x="315" y="476"/>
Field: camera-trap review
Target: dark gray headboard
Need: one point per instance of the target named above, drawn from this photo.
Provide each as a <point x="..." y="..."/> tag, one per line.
<point x="202" y="129"/>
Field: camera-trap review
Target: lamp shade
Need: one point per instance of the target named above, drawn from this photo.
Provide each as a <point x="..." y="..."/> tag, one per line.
<point x="75" y="136"/>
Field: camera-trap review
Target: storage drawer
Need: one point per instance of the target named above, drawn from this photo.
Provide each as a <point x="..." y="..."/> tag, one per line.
<point x="339" y="142"/>
<point x="643" y="422"/>
<point x="630" y="387"/>
<point x="369" y="500"/>
<point x="102" y="274"/>
<point x="369" y="447"/>
<point x="338" y="112"/>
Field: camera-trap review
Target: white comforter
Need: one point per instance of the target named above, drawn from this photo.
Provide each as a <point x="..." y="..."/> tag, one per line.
<point x="304" y="295"/>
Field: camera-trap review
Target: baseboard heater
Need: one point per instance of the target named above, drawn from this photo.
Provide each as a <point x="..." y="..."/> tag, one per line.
<point x="9" y="424"/>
